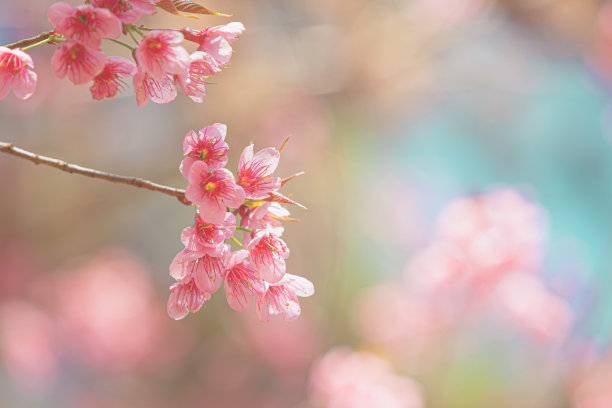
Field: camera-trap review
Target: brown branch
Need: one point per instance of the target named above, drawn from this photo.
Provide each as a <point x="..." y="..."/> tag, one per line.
<point x="9" y="148"/>
<point x="30" y="41"/>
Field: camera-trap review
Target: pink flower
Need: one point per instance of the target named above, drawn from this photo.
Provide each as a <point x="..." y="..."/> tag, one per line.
<point x="265" y="216"/>
<point x="205" y="235"/>
<point x="212" y="192"/>
<point x="80" y="63"/>
<point x="17" y="72"/>
<point x="193" y="84"/>
<point x="206" y="268"/>
<point x="241" y="282"/>
<point x="268" y="253"/>
<point x="85" y="24"/>
<point x="100" y="302"/>
<point x="281" y="298"/>
<point x="108" y="82"/>
<point x="28" y="345"/>
<point x="128" y="11"/>
<point x="344" y="378"/>
<point x="185" y="298"/>
<point x="160" y="54"/>
<point x="255" y="172"/>
<point x="525" y="301"/>
<point x="215" y="41"/>
<point x="147" y="87"/>
<point x="208" y="145"/>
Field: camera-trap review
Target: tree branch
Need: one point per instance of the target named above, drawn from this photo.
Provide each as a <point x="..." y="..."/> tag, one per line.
<point x="30" y="41"/>
<point x="9" y="148"/>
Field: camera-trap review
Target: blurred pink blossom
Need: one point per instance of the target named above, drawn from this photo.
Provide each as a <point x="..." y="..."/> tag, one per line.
<point x="525" y="301"/>
<point x="391" y="316"/>
<point x="344" y="378"/>
<point x="479" y="239"/>
<point x="108" y="312"/>
<point x="595" y="389"/>
<point x="28" y="343"/>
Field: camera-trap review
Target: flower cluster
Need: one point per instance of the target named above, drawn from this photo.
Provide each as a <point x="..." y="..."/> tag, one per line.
<point x="160" y="62"/>
<point x="255" y="273"/>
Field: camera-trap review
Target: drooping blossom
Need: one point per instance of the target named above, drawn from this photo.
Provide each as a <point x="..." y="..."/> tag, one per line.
<point x="206" y="268"/>
<point x="213" y="191"/>
<point x="79" y="63"/>
<point x="215" y="42"/>
<point x="185" y="298"/>
<point x="281" y="299"/>
<point x="524" y="300"/>
<point x="16" y="72"/>
<point x="242" y="283"/>
<point x="85" y="24"/>
<point x="255" y="172"/>
<point x="109" y="82"/>
<point x="160" y="54"/>
<point x="128" y="11"/>
<point x="268" y="253"/>
<point x="194" y="83"/>
<point x="344" y="378"/>
<point x="208" y="145"/>
<point x="147" y="87"/>
<point x="206" y="235"/>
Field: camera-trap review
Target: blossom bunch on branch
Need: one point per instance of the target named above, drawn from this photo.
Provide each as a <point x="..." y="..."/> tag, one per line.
<point x="251" y="202"/>
<point x="256" y="272"/>
<point x="160" y="63"/>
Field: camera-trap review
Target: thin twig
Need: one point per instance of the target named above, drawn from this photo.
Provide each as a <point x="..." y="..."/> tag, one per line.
<point x="30" y="41"/>
<point x="9" y="148"/>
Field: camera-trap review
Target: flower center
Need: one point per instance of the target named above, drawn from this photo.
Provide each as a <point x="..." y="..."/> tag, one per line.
<point x="210" y="186"/>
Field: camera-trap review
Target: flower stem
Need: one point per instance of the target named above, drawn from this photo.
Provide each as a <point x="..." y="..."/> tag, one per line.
<point x="237" y="242"/>
<point x="33" y="40"/>
<point x="122" y="43"/>
<point x="244" y="229"/>
<point x="29" y="47"/>
<point x="129" y="30"/>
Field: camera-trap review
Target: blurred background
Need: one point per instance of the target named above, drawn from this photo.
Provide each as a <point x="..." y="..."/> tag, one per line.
<point x="458" y="181"/>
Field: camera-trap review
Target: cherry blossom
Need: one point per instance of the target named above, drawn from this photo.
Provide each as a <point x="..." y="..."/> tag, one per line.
<point x="265" y="216"/>
<point x="206" y="268"/>
<point x="208" y="145"/>
<point x="185" y="298"/>
<point x="203" y="235"/>
<point x="213" y="192"/>
<point x="281" y="300"/>
<point x="78" y="62"/>
<point x="255" y="172"/>
<point x="108" y="82"/>
<point x="193" y="84"/>
<point x="268" y="253"/>
<point x="147" y="87"/>
<point x="128" y="11"/>
<point x="160" y="54"/>
<point x="16" y="72"/>
<point x="242" y="283"/>
<point x="85" y="24"/>
<point x="215" y="41"/>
